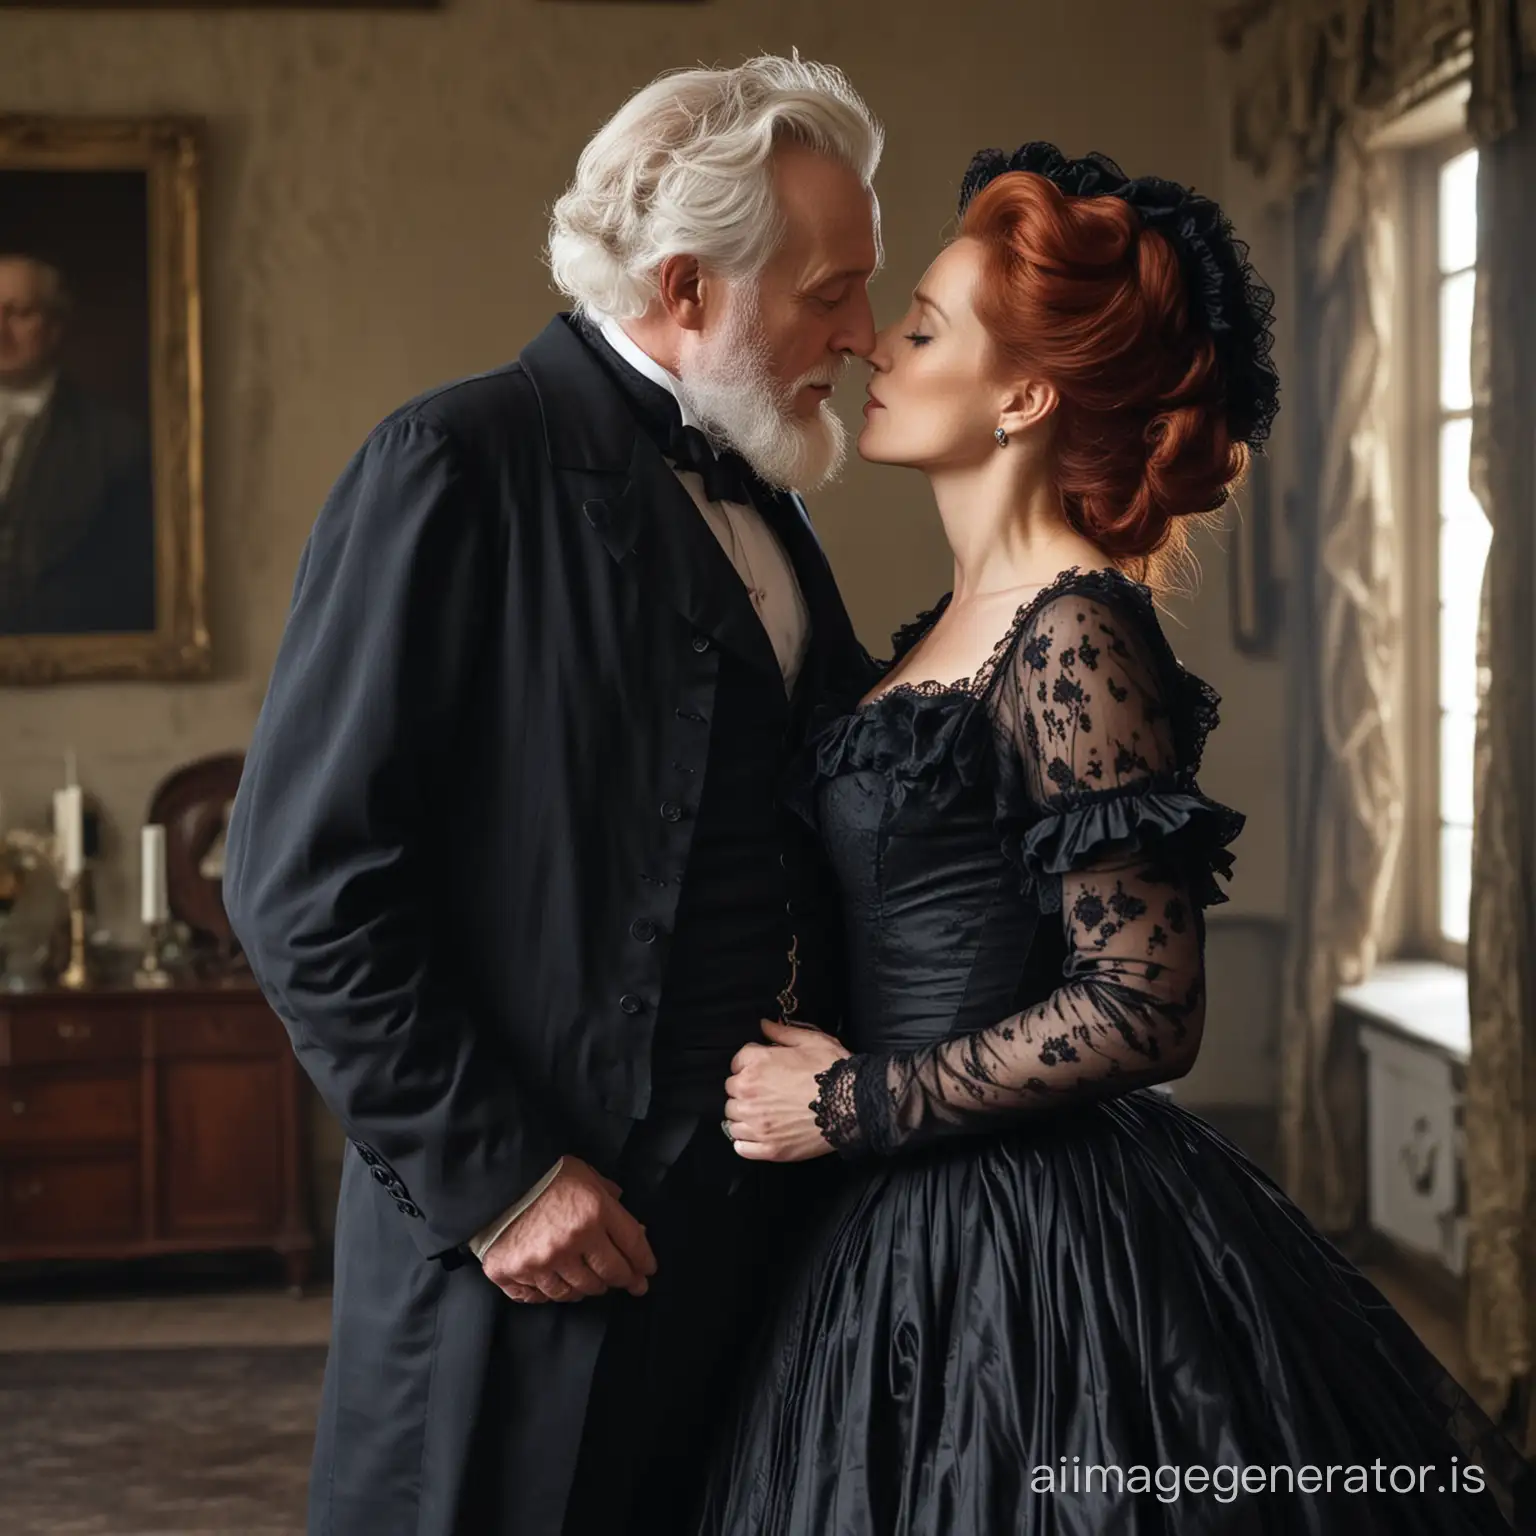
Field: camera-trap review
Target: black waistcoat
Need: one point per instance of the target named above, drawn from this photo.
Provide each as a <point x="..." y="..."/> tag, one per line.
<point x="730" y="950"/>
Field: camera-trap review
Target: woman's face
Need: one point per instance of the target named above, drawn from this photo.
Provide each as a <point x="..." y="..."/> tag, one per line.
<point x="935" y="400"/>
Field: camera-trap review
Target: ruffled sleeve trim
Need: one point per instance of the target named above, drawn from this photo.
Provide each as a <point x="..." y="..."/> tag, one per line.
<point x="1169" y="822"/>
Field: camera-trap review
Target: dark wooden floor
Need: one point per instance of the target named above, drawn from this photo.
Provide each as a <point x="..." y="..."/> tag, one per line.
<point x="148" y="1442"/>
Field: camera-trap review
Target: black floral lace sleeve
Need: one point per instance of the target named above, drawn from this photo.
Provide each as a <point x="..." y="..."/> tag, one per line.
<point x="1099" y="737"/>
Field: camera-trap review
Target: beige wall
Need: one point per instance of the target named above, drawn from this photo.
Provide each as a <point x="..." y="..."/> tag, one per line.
<point x="375" y="205"/>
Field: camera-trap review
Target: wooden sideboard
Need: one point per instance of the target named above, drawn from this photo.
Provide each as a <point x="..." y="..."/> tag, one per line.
<point x="139" y="1123"/>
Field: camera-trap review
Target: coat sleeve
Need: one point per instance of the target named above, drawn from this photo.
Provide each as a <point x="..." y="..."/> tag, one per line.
<point x="328" y="872"/>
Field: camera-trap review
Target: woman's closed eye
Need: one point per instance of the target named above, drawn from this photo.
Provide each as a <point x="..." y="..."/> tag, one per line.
<point x="917" y="338"/>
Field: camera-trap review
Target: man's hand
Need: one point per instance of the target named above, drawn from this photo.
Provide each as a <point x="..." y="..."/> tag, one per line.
<point x="574" y="1241"/>
<point x="770" y="1092"/>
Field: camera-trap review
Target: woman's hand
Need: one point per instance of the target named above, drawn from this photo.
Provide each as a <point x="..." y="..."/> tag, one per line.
<point x="770" y="1092"/>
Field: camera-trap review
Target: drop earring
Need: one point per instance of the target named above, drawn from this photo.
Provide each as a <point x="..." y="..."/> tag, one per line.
<point x="1002" y="438"/>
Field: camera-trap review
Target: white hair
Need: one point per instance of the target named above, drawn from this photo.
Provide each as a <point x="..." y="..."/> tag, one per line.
<point x="684" y="167"/>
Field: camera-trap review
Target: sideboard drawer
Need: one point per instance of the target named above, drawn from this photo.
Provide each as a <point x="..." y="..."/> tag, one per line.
<point x="136" y="1122"/>
<point x="246" y="1031"/>
<point x="69" y="1200"/>
<point x="64" y="1107"/>
<point x="83" y="1034"/>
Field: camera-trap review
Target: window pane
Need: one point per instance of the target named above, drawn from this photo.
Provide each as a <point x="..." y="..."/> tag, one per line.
<point x="1456" y="498"/>
<point x="1463" y="559"/>
<point x="1456" y="342"/>
<point x="1458" y="212"/>
<point x="1455" y="881"/>
<point x="1464" y="539"/>
<point x="1463" y="553"/>
<point x="1457" y="735"/>
<point x="1458" y="665"/>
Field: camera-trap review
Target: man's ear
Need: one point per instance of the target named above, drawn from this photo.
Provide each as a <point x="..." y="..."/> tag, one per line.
<point x="680" y="290"/>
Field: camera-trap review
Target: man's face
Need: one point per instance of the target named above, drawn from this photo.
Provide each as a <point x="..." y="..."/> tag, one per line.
<point x="30" y="329"/>
<point x="760" y="372"/>
<point x="813" y="296"/>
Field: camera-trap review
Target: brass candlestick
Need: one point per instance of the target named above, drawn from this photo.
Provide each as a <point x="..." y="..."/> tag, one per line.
<point x="151" y="974"/>
<point x="76" y="975"/>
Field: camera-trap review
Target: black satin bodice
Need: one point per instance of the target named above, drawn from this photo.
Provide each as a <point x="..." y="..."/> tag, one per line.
<point x="939" y="930"/>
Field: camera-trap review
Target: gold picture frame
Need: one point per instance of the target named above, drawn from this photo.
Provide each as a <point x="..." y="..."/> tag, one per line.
<point x="121" y="196"/>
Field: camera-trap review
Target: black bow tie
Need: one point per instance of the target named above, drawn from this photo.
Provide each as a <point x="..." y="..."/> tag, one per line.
<point x="726" y="476"/>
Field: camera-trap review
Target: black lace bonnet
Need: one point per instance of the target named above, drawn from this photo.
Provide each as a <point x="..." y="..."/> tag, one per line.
<point x="1223" y="287"/>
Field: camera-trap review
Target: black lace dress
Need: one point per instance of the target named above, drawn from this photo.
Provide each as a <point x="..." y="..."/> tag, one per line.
<point x="1046" y="1298"/>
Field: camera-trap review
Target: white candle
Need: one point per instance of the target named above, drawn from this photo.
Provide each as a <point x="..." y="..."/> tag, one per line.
<point x="155" y="904"/>
<point x="69" y="828"/>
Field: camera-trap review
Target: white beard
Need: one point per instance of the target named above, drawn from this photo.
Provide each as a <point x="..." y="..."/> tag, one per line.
<point x="727" y="385"/>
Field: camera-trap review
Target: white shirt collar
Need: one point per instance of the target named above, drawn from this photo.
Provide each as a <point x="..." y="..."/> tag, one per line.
<point x="28" y="402"/>
<point x="646" y="366"/>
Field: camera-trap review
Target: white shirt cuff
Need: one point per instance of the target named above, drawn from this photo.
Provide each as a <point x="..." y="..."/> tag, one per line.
<point x="481" y="1242"/>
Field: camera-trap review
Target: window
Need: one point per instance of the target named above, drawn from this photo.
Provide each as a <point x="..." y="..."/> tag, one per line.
<point x="1446" y="542"/>
<point x="1463" y="540"/>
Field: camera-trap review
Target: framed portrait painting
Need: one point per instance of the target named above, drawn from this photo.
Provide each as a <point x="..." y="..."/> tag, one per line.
<point x="101" y="427"/>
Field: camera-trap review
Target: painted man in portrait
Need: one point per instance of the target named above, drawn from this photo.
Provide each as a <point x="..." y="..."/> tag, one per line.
<point x="77" y="544"/>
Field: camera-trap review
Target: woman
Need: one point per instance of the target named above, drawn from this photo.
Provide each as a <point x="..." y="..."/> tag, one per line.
<point x="1046" y="1298"/>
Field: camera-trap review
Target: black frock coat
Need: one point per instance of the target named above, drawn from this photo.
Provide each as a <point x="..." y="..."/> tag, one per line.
<point x="455" y="855"/>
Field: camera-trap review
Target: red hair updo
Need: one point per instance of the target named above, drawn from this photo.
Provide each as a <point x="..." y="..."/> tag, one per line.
<point x="1076" y="292"/>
